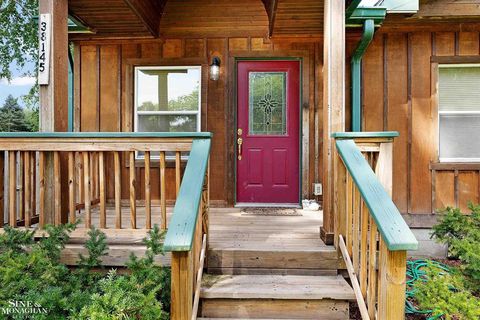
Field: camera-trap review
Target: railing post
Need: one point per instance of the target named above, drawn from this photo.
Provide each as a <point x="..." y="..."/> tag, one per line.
<point x="384" y="167"/>
<point x="182" y="285"/>
<point x="391" y="283"/>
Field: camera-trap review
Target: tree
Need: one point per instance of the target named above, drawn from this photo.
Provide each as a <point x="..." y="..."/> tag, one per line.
<point x="12" y="117"/>
<point x="19" y="41"/>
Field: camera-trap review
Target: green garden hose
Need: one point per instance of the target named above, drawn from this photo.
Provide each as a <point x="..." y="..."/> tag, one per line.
<point x="415" y="273"/>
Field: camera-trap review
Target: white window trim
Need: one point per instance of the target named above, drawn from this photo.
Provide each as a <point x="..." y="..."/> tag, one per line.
<point x="198" y="113"/>
<point x="450" y="160"/>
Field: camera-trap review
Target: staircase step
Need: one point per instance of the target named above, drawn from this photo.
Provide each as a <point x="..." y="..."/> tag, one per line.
<point x="315" y="258"/>
<point x="275" y="297"/>
<point x="236" y="319"/>
<point x="276" y="287"/>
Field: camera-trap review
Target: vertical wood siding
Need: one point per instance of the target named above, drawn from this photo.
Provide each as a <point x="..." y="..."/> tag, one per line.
<point x="399" y="93"/>
<point x="105" y="101"/>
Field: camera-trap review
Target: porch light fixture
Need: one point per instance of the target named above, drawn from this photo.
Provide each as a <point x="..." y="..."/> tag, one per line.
<point x="215" y="69"/>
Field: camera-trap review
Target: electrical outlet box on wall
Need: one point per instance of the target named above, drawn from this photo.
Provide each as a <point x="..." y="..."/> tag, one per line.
<point x="317" y="189"/>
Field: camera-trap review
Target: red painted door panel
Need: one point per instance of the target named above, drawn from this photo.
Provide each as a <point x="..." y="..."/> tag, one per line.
<point x="268" y="111"/>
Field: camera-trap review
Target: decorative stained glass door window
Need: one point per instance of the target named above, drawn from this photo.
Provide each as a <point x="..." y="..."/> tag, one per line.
<point x="267" y="103"/>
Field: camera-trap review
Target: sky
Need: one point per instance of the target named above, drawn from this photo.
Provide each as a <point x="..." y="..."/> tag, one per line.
<point x="18" y="86"/>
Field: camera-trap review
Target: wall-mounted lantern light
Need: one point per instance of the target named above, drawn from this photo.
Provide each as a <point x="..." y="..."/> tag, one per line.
<point x="215" y="69"/>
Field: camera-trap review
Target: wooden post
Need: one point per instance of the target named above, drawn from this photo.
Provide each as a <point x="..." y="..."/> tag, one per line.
<point x="12" y="190"/>
<point x="54" y="100"/>
<point x="391" y="283"/>
<point x="334" y="105"/>
<point x="182" y="286"/>
<point x="2" y="194"/>
<point x="118" y="190"/>
<point x="384" y="167"/>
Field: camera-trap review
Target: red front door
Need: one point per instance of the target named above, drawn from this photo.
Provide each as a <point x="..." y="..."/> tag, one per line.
<point x="268" y="110"/>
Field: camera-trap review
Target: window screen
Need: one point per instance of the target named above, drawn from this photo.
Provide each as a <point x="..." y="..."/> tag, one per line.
<point x="459" y="113"/>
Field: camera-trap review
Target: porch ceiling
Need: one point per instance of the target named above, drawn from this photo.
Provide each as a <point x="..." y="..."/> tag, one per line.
<point x="132" y="18"/>
<point x="152" y="18"/>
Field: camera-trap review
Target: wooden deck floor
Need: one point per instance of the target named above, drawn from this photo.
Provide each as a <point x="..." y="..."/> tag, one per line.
<point x="231" y="230"/>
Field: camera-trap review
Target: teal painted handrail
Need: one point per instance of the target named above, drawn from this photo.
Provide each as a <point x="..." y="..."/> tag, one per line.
<point x="181" y="228"/>
<point x="365" y="134"/>
<point x="394" y="230"/>
<point x="105" y="135"/>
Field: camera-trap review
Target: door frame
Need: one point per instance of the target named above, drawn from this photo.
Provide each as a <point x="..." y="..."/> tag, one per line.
<point x="236" y="60"/>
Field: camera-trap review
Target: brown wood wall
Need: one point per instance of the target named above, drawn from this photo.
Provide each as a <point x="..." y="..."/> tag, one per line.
<point x="399" y="93"/>
<point x="103" y="96"/>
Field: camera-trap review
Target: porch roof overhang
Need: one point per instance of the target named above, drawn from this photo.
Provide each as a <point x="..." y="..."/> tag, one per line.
<point x="179" y="18"/>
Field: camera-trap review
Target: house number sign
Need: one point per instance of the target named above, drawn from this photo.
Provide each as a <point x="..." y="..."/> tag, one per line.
<point x="45" y="30"/>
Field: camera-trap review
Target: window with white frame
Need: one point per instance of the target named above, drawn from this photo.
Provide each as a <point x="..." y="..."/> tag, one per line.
<point x="459" y="112"/>
<point x="167" y="99"/>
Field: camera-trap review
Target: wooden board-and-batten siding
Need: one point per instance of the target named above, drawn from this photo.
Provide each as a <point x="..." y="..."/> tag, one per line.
<point x="400" y="93"/>
<point x="104" y="97"/>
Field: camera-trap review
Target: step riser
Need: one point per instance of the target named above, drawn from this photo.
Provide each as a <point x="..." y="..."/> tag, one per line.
<point x="319" y="260"/>
<point x="279" y="271"/>
<point x="275" y="309"/>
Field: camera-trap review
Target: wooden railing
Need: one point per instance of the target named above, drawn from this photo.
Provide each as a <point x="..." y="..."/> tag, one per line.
<point x="370" y="232"/>
<point x="58" y="177"/>
<point x="187" y="233"/>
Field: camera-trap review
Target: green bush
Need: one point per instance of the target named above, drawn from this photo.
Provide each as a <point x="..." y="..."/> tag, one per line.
<point x="461" y="233"/>
<point x="446" y="295"/>
<point x="31" y="271"/>
<point x="454" y="294"/>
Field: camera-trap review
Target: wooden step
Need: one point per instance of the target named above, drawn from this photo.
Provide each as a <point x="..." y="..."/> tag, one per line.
<point x="274" y="257"/>
<point x="276" y="287"/>
<point x="235" y="319"/>
<point x="275" y="297"/>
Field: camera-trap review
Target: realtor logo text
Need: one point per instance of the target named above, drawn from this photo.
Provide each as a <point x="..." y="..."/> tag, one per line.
<point x="23" y="307"/>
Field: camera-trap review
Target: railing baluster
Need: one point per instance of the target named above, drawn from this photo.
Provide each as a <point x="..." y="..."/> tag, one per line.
<point x="33" y="182"/>
<point x="118" y="190"/>
<point x="27" y="181"/>
<point x="92" y="175"/>
<point x="81" y="185"/>
<point x="2" y="191"/>
<point x="101" y="181"/>
<point x="57" y="188"/>
<point x="372" y="269"/>
<point x="12" y="189"/>
<point x="87" y="188"/>
<point x="363" y="248"/>
<point x="71" y="186"/>
<point x="163" y="200"/>
<point x="20" y="187"/>
<point x="148" y="196"/>
<point x="41" y="173"/>
<point x="133" y="195"/>
<point x="356" y="227"/>
<point x="178" y="169"/>
<point x="349" y="208"/>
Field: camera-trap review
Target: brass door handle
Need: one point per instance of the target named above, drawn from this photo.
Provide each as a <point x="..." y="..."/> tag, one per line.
<point x="239" y="144"/>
